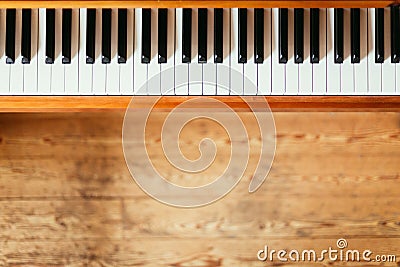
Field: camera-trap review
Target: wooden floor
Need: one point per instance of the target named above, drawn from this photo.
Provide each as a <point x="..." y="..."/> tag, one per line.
<point x="67" y="198"/>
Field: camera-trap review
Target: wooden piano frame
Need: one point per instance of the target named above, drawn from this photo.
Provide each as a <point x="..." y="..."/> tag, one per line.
<point x="277" y="103"/>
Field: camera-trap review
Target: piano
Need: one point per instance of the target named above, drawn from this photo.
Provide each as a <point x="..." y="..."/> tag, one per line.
<point x="81" y="55"/>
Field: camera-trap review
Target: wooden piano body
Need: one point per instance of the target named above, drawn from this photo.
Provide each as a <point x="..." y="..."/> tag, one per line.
<point x="277" y="103"/>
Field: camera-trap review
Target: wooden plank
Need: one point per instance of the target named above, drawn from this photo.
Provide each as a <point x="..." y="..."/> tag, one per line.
<point x="181" y="251"/>
<point x="101" y="127"/>
<point x="253" y="216"/>
<point x="112" y="179"/>
<point x="276" y="103"/>
<point x="232" y="217"/>
<point x="60" y="219"/>
<point x="194" y="4"/>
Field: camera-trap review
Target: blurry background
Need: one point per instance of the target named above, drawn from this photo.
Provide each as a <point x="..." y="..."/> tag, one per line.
<point x="67" y="198"/>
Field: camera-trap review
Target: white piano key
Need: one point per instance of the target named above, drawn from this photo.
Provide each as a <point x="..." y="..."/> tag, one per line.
<point x="31" y="70"/>
<point x="374" y="69"/>
<point x="154" y="68"/>
<point x="44" y="70"/>
<point x="305" y="69"/>
<point x="126" y="70"/>
<point x="388" y="68"/>
<point x="223" y="71"/>
<point x="333" y="73"/>
<point x="4" y="68"/>
<point x="264" y="70"/>
<point x="112" y="82"/>
<point x="292" y="69"/>
<point x="397" y="66"/>
<point x="347" y="81"/>
<point x="58" y="69"/>
<point x="72" y="69"/>
<point x="319" y="70"/>
<point x="99" y="69"/>
<point x="195" y="78"/>
<point x="85" y="70"/>
<point x="237" y="69"/>
<point x="17" y="69"/>
<point x="167" y="82"/>
<point x="209" y="79"/>
<point x="140" y="69"/>
<point x="361" y="69"/>
<point x="181" y="73"/>
<point x="250" y="68"/>
<point x="195" y="68"/>
<point x="278" y="70"/>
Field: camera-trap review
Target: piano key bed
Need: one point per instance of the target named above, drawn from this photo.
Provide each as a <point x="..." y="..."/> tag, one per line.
<point x="97" y="58"/>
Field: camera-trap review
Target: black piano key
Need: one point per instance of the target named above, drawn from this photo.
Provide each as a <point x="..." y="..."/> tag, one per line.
<point x="218" y="35"/>
<point x="242" y="57"/>
<point x="338" y="35"/>
<point x="187" y="35"/>
<point x="258" y="35"/>
<point x="298" y="35"/>
<point x="202" y="35"/>
<point x="355" y="35"/>
<point x="394" y="33"/>
<point x="314" y="35"/>
<point x="162" y="35"/>
<point x="90" y="35"/>
<point x="50" y="35"/>
<point x="122" y="35"/>
<point x="26" y="36"/>
<point x="146" y="35"/>
<point x="379" y="35"/>
<point x="106" y="36"/>
<point x="66" y="35"/>
<point x="283" y="35"/>
<point x="10" y="36"/>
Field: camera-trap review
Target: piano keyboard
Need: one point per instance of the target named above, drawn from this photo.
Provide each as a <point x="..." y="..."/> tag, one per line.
<point x="281" y="51"/>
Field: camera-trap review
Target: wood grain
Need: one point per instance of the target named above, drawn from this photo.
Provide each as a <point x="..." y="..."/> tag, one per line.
<point x="276" y="103"/>
<point x="67" y="198"/>
<point x="157" y="252"/>
<point x="194" y="4"/>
